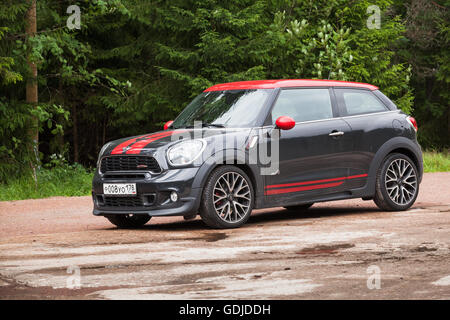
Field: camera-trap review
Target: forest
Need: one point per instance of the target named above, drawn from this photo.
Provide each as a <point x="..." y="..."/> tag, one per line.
<point x="76" y="74"/>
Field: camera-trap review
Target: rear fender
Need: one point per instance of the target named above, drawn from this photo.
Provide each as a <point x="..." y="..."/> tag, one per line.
<point x="387" y="148"/>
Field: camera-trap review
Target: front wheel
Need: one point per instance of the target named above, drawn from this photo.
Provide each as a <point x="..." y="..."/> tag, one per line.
<point x="126" y="221"/>
<point x="397" y="184"/>
<point x="227" y="199"/>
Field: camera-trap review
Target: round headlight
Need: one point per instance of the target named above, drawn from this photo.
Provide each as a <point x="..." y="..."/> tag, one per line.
<point x="185" y="152"/>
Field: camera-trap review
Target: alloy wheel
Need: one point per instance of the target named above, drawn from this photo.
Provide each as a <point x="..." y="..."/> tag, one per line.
<point x="231" y="197"/>
<point x="401" y="182"/>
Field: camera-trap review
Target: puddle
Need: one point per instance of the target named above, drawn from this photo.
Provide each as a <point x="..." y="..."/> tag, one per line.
<point x="325" y="249"/>
<point x="423" y="249"/>
<point x="209" y="237"/>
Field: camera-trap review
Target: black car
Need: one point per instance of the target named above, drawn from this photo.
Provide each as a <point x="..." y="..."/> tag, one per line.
<point x="259" y="144"/>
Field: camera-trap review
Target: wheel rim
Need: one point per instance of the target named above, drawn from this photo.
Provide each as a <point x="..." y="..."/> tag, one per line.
<point x="401" y="182"/>
<point x="232" y="197"/>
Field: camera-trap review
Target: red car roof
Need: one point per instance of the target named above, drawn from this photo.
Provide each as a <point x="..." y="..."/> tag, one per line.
<point x="271" y="84"/>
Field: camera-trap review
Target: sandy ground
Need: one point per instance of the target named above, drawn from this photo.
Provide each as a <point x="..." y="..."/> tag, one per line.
<point x="56" y="249"/>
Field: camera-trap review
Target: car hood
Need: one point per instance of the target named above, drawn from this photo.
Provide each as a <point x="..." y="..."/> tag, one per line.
<point x="148" y="143"/>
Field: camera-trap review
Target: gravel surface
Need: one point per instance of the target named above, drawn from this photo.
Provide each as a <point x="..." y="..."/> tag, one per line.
<point x="332" y="251"/>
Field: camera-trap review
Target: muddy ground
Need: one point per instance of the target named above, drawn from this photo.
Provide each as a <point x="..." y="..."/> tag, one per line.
<point x="55" y="249"/>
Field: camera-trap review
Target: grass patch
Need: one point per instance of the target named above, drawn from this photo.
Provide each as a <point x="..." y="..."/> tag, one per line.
<point x="68" y="180"/>
<point x="436" y="161"/>
<point x="75" y="180"/>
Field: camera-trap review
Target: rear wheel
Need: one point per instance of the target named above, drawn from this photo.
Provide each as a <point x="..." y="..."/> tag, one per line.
<point x="397" y="184"/>
<point x="300" y="207"/>
<point x="126" y="221"/>
<point x="227" y="199"/>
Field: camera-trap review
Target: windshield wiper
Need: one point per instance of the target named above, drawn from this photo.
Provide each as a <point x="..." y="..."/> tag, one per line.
<point x="217" y="125"/>
<point x="205" y="124"/>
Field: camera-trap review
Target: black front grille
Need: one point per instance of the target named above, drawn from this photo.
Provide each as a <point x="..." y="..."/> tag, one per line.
<point x="123" y="202"/>
<point x="129" y="163"/>
<point x="143" y="201"/>
<point x="124" y="176"/>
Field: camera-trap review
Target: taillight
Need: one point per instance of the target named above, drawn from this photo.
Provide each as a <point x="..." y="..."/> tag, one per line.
<point x="413" y="122"/>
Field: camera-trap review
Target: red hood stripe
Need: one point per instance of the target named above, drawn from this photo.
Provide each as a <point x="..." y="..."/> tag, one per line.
<point x="119" y="149"/>
<point x="138" y="146"/>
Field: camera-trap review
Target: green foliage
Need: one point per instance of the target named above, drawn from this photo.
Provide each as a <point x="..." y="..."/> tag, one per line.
<point x="134" y="64"/>
<point x="65" y="79"/>
<point x="62" y="180"/>
<point x="425" y="48"/>
<point x="211" y="43"/>
<point x="7" y="75"/>
<point x="14" y="116"/>
<point x="436" y="162"/>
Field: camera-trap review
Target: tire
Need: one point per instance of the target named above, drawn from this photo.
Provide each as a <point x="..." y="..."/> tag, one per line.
<point x="127" y="221"/>
<point x="396" y="191"/>
<point x="301" y="207"/>
<point x="218" y="209"/>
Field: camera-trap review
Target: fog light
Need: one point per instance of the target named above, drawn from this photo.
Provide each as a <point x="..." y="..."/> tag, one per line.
<point x="173" y="196"/>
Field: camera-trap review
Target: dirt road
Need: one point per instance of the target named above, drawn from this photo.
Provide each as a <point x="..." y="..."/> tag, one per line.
<point x="55" y="249"/>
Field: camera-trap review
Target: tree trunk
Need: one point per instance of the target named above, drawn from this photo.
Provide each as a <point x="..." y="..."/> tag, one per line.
<point x="448" y="126"/>
<point x="104" y="131"/>
<point x="32" y="86"/>
<point x="75" y="133"/>
<point x="61" y="120"/>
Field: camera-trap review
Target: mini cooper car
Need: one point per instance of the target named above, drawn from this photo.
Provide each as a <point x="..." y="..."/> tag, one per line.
<point x="258" y="144"/>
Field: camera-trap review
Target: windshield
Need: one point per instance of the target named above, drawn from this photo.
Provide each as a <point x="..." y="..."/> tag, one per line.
<point x="231" y="108"/>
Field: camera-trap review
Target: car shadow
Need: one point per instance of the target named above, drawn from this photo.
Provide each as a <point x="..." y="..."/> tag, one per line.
<point x="265" y="216"/>
<point x="312" y="213"/>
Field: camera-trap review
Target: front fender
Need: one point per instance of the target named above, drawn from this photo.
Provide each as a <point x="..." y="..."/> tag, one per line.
<point x="231" y="157"/>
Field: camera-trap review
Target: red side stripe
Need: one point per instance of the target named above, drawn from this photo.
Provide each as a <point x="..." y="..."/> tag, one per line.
<point x="317" y="186"/>
<point x="137" y="147"/>
<point x="315" y="181"/>
<point x="357" y="176"/>
<point x="303" y="183"/>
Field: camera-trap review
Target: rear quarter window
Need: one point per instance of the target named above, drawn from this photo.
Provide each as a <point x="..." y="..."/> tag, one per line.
<point x="354" y="102"/>
<point x="388" y="102"/>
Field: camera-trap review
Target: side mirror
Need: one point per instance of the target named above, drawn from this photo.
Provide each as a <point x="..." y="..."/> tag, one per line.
<point x="168" y="124"/>
<point x="285" y="123"/>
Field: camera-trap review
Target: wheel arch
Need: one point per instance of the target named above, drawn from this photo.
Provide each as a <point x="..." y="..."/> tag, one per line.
<point x="410" y="154"/>
<point x="397" y="145"/>
<point x="235" y="158"/>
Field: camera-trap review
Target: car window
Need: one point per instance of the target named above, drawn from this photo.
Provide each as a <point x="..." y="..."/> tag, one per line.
<point x="360" y="102"/>
<point x="303" y="105"/>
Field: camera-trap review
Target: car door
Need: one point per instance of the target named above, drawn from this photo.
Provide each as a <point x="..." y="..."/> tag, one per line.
<point x="372" y="125"/>
<point x="313" y="156"/>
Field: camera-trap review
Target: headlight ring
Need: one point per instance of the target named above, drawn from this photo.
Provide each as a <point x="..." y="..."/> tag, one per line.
<point x="185" y="152"/>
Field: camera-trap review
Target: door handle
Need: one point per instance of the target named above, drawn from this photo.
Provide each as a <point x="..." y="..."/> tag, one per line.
<point x="336" y="134"/>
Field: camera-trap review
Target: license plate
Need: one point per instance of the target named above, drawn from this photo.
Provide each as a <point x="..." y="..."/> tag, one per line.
<point x="119" y="188"/>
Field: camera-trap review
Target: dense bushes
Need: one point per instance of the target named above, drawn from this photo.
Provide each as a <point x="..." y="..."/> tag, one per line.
<point x="136" y="63"/>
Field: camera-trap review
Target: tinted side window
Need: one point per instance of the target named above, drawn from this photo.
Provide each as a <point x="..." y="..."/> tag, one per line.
<point x="303" y="105"/>
<point x="388" y="102"/>
<point x="359" y="102"/>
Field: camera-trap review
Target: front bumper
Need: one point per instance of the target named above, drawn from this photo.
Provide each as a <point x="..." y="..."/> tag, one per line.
<point x="153" y="193"/>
